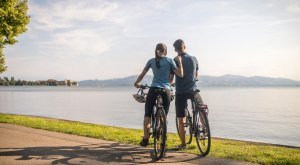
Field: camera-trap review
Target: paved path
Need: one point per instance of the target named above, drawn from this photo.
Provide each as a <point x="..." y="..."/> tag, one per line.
<point x="22" y="145"/>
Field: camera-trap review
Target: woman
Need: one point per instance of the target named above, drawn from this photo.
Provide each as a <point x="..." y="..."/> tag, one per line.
<point x="161" y="67"/>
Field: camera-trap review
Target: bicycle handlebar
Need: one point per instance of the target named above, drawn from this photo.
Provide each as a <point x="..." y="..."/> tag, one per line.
<point x="144" y="86"/>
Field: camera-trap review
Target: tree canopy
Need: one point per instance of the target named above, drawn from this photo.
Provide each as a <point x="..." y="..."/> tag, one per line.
<point x="13" y="21"/>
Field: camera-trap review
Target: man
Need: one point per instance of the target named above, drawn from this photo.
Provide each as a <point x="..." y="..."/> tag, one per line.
<point x="185" y="87"/>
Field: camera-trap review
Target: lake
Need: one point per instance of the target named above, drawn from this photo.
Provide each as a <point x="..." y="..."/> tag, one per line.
<point x="261" y="114"/>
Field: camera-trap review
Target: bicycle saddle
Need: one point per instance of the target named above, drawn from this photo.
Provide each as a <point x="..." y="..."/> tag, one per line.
<point x="160" y="90"/>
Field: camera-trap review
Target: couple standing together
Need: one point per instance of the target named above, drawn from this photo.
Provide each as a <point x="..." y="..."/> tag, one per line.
<point x="185" y="67"/>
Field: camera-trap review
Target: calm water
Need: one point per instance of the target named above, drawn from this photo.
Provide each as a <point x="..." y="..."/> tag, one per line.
<point x="263" y="114"/>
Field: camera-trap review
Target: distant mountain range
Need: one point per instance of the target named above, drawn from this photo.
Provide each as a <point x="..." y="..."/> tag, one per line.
<point x="225" y="80"/>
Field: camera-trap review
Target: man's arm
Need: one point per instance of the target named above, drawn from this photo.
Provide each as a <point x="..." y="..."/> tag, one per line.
<point x="171" y="78"/>
<point x="179" y="71"/>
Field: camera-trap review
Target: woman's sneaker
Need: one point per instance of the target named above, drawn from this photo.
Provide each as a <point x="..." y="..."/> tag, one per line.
<point x="144" y="142"/>
<point x="181" y="147"/>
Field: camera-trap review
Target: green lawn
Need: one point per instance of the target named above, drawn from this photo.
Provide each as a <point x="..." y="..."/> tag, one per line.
<point x="238" y="150"/>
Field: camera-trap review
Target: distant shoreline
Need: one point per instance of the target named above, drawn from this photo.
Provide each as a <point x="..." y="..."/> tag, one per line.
<point x="5" y="81"/>
<point x="225" y="80"/>
<point x="106" y="86"/>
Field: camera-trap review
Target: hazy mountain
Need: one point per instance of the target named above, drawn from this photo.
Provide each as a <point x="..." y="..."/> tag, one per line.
<point x="226" y="80"/>
<point x="234" y="80"/>
<point x="115" y="82"/>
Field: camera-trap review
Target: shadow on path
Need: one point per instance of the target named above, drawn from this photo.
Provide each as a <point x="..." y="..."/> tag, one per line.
<point x="64" y="154"/>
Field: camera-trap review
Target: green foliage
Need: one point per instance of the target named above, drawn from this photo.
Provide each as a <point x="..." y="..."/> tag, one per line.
<point x="12" y="82"/>
<point x="2" y="61"/>
<point x="222" y="148"/>
<point x="13" y="21"/>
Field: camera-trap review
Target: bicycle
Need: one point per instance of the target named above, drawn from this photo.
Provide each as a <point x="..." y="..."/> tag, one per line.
<point x="198" y="126"/>
<point x="158" y="128"/>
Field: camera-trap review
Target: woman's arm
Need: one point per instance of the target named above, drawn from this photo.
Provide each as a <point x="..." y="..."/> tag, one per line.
<point x="140" y="78"/>
<point x="179" y="70"/>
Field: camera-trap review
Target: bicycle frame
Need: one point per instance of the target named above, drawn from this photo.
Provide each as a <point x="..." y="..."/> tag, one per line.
<point x="158" y="126"/>
<point x="194" y="112"/>
<point x="156" y="110"/>
<point x="194" y="116"/>
<point x="197" y="124"/>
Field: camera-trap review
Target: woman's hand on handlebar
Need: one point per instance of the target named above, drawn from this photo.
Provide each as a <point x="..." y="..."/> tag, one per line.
<point x="137" y="85"/>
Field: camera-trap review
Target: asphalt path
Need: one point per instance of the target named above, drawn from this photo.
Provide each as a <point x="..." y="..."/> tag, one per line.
<point x="23" y="145"/>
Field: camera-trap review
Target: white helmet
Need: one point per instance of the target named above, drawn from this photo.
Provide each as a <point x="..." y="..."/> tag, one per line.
<point x="141" y="98"/>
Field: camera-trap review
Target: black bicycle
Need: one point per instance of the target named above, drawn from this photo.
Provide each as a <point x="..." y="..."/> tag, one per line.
<point x="197" y="126"/>
<point x="158" y="130"/>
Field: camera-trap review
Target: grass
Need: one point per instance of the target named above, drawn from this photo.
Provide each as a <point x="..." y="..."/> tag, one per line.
<point x="221" y="148"/>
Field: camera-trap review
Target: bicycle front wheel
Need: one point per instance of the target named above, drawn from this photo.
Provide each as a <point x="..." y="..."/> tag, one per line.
<point x="202" y="132"/>
<point x="160" y="134"/>
<point x="188" y="124"/>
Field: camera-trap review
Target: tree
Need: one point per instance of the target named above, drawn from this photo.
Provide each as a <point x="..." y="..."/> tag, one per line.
<point x="1" y="81"/>
<point x="12" y="81"/>
<point x="13" y="21"/>
<point x="2" y="61"/>
<point x="18" y="83"/>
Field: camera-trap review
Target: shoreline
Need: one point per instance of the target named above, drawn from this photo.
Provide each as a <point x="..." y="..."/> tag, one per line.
<point x="219" y="138"/>
<point x="126" y="85"/>
<point x="221" y="148"/>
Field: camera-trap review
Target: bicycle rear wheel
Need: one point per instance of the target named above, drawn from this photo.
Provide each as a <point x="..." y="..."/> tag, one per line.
<point x="202" y="132"/>
<point x="188" y="124"/>
<point x="160" y="134"/>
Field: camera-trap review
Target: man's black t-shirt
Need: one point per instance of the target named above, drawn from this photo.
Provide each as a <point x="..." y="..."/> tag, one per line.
<point x="187" y="83"/>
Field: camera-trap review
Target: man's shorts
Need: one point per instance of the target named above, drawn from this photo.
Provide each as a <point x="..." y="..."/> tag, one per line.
<point x="181" y="102"/>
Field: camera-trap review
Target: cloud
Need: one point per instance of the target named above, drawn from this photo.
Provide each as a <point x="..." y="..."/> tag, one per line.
<point x="74" y="29"/>
<point x="78" y="42"/>
<point x="89" y="27"/>
<point x="294" y="7"/>
<point x="105" y="39"/>
<point x="283" y="21"/>
<point x="66" y="14"/>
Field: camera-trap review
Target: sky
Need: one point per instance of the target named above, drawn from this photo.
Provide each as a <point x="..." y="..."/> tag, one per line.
<point x="104" y="39"/>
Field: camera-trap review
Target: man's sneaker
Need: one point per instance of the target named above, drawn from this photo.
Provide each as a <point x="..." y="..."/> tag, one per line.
<point x="144" y="142"/>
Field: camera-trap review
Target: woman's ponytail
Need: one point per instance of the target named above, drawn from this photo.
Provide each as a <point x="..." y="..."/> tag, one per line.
<point x="162" y="48"/>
